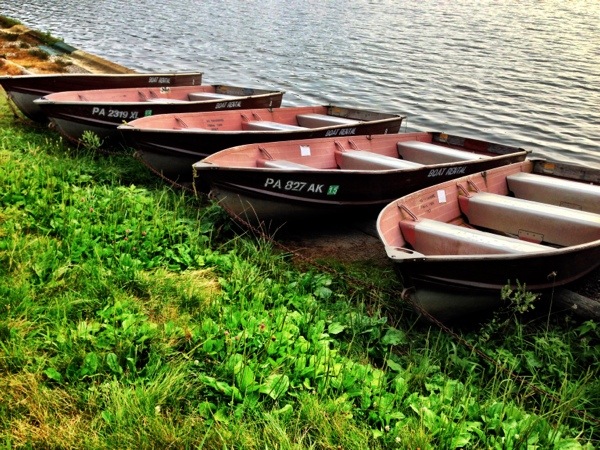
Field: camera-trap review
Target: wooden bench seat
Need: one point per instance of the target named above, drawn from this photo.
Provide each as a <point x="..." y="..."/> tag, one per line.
<point x="555" y="191"/>
<point x="363" y="160"/>
<point x="282" y="164"/>
<point x="533" y="221"/>
<point x="431" y="237"/>
<point x="265" y="125"/>
<point x="203" y="96"/>
<point x="427" y="153"/>
<point x="323" y="120"/>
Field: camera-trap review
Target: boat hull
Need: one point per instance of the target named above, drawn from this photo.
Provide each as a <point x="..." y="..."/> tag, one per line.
<point x="23" y="90"/>
<point x="451" y="289"/>
<point x="537" y="272"/>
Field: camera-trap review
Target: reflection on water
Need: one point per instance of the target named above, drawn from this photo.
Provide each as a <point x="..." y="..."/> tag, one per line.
<point x="523" y="73"/>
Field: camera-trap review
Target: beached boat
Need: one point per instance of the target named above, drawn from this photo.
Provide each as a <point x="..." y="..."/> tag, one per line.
<point x="331" y="177"/>
<point x="102" y="111"/>
<point x="456" y="244"/>
<point x="171" y="143"/>
<point x="22" y="90"/>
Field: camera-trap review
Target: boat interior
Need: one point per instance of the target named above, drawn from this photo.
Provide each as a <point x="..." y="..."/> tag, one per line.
<point x="266" y="119"/>
<point x="411" y="154"/>
<point x="165" y="94"/>
<point x="305" y="121"/>
<point x="519" y="213"/>
<point x="191" y="97"/>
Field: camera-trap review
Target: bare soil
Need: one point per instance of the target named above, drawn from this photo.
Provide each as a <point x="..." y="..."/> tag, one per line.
<point x="20" y="53"/>
<point x="24" y="51"/>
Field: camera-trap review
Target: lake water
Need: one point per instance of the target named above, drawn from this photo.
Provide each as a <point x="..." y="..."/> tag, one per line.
<point x="525" y="73"/>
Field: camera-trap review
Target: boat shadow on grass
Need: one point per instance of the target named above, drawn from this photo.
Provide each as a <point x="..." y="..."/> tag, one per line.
<point x="347" y="240"/>
<point x="321" y="238"/>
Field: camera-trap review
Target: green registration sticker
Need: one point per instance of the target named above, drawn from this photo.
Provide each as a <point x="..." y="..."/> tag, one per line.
<point x="333" y="189"/>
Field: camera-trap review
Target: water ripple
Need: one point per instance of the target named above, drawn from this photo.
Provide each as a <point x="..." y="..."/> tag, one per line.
<point x="523" y="73"/>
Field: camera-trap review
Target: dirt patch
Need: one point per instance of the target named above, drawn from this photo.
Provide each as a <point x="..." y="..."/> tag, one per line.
<point x="21" y="51"/>
<point x="350" y="242"/>
<point x="25" y="51"/>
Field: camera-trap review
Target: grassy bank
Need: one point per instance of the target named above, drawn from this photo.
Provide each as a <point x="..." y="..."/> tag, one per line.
<point x="135" y="316"/>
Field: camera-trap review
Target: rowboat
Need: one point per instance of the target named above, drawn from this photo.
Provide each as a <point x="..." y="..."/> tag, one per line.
<point x="457" y="244"/>
<point x="22" y="90"/>
<point x="171" y="143"/>
<point x="101" y="111"/>
<point x="332" y="177"/>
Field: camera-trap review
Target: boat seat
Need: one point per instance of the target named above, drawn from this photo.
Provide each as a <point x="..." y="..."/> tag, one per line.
<point x="265" y="125"/>
<point x="323" y="120"/>
<point x="281" y="164"/>
<point x="427" y="153"/>
<point x="532" y="221"/>
<point x="164" y="100"/>
<point x="555" y="191"/>
<point x="363" y="160"/>
<point x="432" y="237"/>
<point x="204" y="96"/>
<point x="192" y="129"/>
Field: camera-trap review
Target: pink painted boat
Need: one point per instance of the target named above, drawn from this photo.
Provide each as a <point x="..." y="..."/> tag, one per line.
<point x="458" y="243"/>
<point x="22" y="90"/>
<point x="339" y="177"/>
<point x="102" y="111"/>
<point x="171" y="143"/>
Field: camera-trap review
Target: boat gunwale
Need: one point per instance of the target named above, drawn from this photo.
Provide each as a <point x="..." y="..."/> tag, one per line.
<point x="198" y="130"/>
<point x="84" y="103"/>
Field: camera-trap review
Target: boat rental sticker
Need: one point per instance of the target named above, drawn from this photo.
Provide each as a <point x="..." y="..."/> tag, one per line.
<point x="305" y="150"/>
<point x="441" y="194"/>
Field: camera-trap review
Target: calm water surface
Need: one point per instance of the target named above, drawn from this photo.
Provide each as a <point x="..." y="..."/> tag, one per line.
<point x="525" y="73"/>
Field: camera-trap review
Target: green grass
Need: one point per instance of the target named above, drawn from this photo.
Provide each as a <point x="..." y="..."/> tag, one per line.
<point x="135" y="316"/>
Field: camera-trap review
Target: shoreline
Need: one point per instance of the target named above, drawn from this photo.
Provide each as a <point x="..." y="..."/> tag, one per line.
<point x="24" y="51"/>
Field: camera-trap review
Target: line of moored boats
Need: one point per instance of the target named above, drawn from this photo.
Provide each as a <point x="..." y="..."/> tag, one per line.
<point x="460" y="217"/>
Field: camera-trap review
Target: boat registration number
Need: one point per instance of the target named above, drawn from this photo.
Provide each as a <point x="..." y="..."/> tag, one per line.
<point x="114" y="113"/>
<point x="299" y="186"/>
